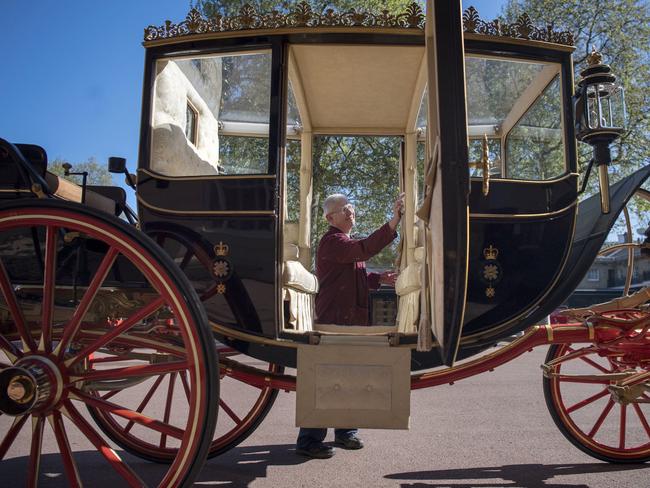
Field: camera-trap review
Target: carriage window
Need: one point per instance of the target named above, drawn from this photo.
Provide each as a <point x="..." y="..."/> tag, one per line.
<point x="517" y="104"/>
<point x="211" y="115"/>
<point x="534" y="147"/>
<point x="191" y="119"/>
<point x="292" y="158"/>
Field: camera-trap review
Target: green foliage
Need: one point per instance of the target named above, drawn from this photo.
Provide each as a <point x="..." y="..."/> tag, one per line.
<point x="97" y="173"/>
<point x="365" y="170"/>
<point x="621" y="32"/>
<point x="232" y="7"/>
<point x="534" y="147"/>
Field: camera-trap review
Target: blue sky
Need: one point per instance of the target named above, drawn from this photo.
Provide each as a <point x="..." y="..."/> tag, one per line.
<point x="72" y="72"/>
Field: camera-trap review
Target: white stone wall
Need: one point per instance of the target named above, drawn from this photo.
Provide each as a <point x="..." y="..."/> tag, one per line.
<point x="172" y="153"/>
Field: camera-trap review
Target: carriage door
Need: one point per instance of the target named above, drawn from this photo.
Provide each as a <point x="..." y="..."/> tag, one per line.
<point x="447" y="176"/>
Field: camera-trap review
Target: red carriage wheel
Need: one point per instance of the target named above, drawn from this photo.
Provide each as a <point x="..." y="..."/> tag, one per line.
<point x="93" y="312"/>
<point x="586" y="411"/>
<point x="242" y="407"/>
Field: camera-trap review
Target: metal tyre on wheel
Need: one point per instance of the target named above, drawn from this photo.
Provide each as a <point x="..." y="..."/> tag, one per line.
<point x="92" y="311"/>
<point x="586" y="412"/>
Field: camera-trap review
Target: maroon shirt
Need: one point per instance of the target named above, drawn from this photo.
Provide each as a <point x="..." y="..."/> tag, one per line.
<point x="342" y="277"/>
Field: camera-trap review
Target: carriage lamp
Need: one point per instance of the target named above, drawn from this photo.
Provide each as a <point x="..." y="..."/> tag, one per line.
<point x="600" y="116"/>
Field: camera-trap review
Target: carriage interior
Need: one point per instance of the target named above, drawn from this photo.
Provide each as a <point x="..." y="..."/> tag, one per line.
<point x="343" y="101"/>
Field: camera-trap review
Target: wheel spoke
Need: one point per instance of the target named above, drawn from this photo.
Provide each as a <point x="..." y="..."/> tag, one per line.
<point x="209" y="293"/>
<point x="186" y="259"/>
<point x="642" y="418"/>
<point x="621" y="439"/>
<point x="38" y="424"/>
<point x="110" y="394"/>
<point x="229" y="411"/>
<point x="100" y="444"/>
<point x="16" y="313"/>
<point x="587" y="381"/>
<point x="168" y="406"/>
<point x="587" y="401"/>
<point x="132" y="371"/>
<point x="120" y="329"/>
<point x="145" y="400"/>
<point x="49" y="283"/>
<point x="69" y="465"/>
<point x="601" y="419"/>
<point x="9" y="349"/>
<point x="11" y="434"/>
<point x="593" y="363"/>
<point x="128" y="414"/>
<point x="73" y="325"/>
<point x="186" y="386"/>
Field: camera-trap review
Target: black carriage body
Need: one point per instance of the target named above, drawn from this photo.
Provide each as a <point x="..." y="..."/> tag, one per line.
<point x="523" y="229"/>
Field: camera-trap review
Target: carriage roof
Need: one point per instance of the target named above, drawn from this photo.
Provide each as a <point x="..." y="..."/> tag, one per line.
<point x="352" y="88"/>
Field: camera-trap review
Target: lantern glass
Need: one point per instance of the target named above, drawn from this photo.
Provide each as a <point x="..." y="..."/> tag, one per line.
<point x="617" y="112"/>
<point x="605" y="106"/>
<point x="593" y="110"/>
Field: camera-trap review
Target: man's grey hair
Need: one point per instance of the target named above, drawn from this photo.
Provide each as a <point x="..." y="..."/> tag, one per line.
<point x="330" y="202"/>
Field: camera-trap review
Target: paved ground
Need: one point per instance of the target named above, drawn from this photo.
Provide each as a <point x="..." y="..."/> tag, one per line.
<point x="492" y="430"/>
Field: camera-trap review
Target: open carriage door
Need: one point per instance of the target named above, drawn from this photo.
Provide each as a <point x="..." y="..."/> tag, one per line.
<point x="448" y="233"/>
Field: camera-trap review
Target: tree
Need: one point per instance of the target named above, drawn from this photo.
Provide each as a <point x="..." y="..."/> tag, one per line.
<point x="97" y="173"/>
<point x="621" y="32"/>
<point x="231" y="7"/>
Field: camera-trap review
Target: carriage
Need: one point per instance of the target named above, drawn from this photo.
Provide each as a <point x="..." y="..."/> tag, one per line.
<point x="150" y="325"/>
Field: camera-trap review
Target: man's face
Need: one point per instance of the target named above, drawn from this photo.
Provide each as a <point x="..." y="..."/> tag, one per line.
<point x="342" y="216"/>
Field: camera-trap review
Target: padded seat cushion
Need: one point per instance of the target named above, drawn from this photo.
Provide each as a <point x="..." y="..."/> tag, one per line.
<point x="297" y="277"/>
<point x="409" y="280"/>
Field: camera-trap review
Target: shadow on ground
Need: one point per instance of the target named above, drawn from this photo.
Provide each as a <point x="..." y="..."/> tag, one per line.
<point x="237" y="468"/>
<point x="514" y="475"/>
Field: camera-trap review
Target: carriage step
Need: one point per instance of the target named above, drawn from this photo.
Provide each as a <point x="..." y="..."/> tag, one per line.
<point x="352" y="385"/>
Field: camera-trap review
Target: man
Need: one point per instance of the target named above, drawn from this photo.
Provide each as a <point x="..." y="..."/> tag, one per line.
<point x="343" y="296"/>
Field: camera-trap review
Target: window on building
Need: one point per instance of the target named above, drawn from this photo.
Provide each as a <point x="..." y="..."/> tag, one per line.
<point x="191" y="120"/>
<point x="593" y="275"/>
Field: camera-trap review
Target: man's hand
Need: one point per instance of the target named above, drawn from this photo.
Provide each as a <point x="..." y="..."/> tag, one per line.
<point x="388" y="278"/>
<point x="398" y="209"/>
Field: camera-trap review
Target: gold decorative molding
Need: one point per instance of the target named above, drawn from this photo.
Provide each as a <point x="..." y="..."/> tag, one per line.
<point x="523" y="28"/>
<point x="302" y="15"/>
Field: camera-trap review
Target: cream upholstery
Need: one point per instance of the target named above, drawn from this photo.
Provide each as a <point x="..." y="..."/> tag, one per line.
<point x="407" y="287"/>
<point x="295" y="276"/>
<point x="298" y="284"/>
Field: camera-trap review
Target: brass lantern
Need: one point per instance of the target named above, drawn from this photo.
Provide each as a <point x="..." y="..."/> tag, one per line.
<point x="600" y="116"/>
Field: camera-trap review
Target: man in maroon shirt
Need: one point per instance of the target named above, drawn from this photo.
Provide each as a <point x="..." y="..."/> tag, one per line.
<point x="343" y="296"/>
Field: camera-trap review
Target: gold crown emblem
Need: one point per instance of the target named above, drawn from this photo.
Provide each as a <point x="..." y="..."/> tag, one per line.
<point x="490" y="253"/>
<point x="221" y="249"/>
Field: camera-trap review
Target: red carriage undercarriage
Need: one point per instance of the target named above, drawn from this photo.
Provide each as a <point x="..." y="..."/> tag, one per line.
<point x="164" y="330"/>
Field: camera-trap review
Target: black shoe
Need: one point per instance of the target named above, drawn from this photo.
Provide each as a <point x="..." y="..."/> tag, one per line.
<point x="352" y="442"/>
<point x="316" y="451"/>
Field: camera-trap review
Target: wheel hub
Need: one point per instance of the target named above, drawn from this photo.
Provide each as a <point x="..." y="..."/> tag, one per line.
<point x="34" y="383"/>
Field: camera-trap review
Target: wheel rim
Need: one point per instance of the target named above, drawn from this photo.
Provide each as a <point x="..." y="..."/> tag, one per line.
<point x="64" y="357"/>
<point x="241" y="406"/>
<point x="589" y="415"/>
